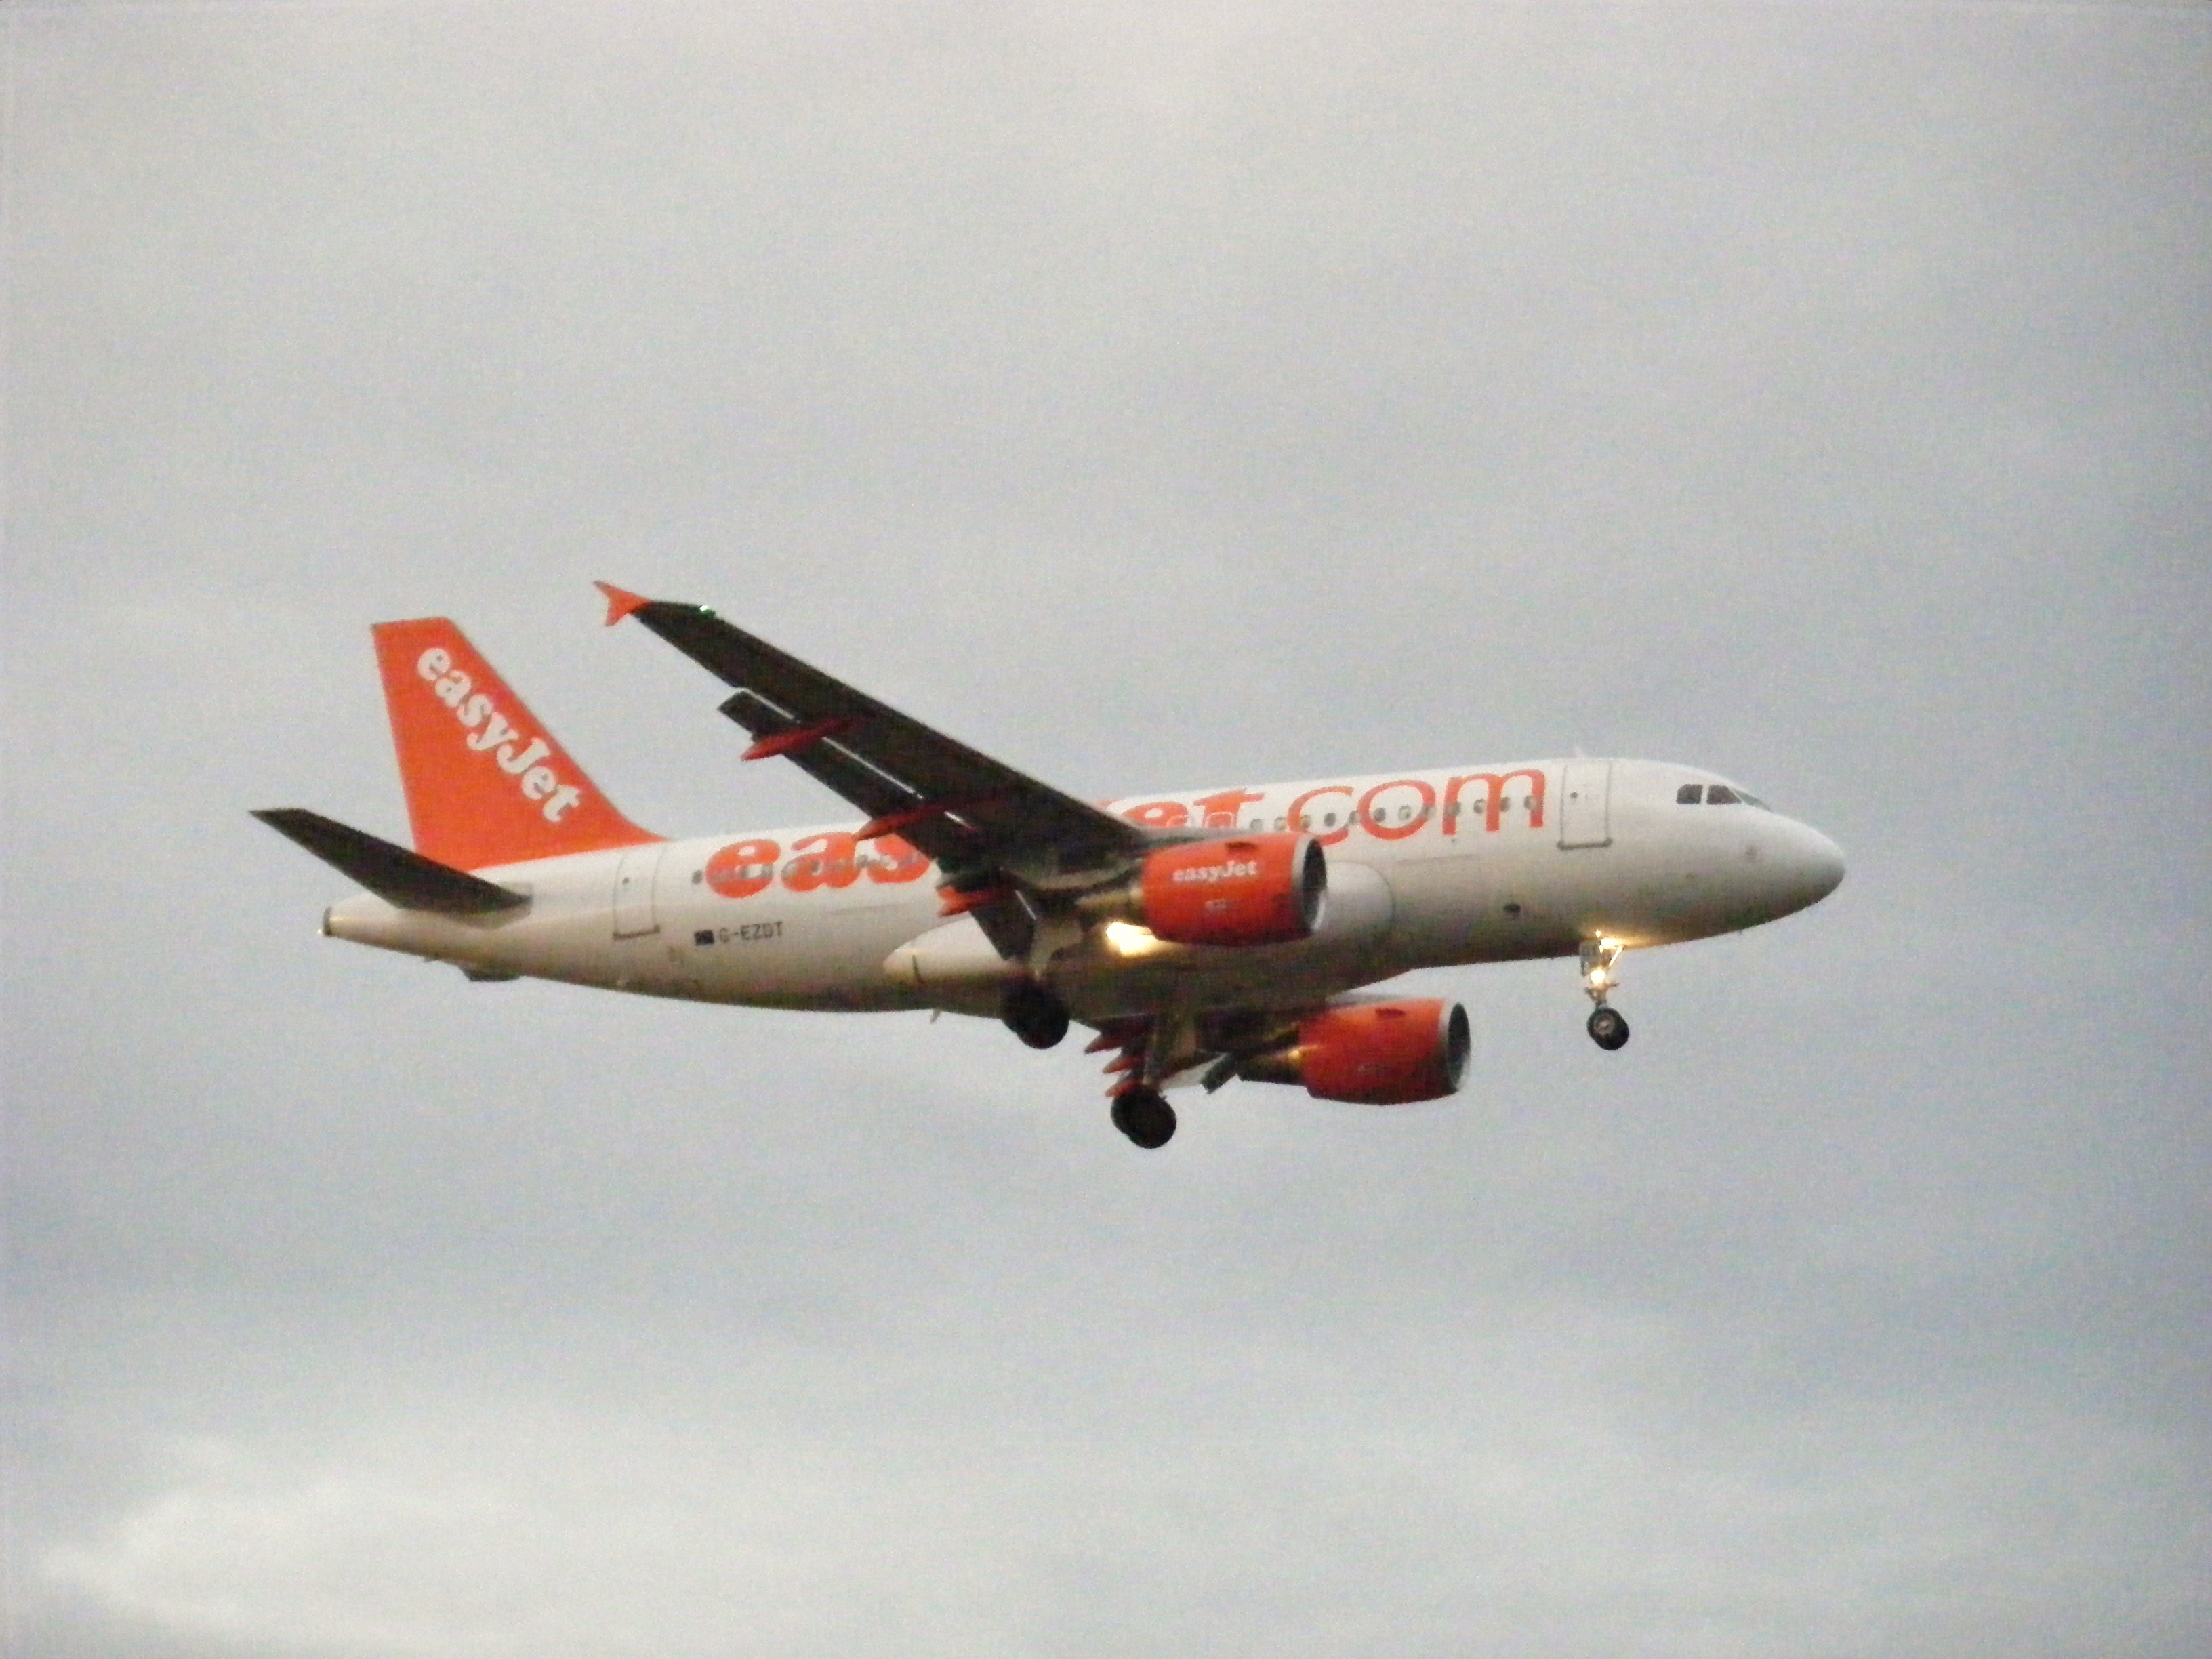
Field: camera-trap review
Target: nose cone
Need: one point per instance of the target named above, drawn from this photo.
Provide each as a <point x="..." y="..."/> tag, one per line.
<point x="1805" y="866"/>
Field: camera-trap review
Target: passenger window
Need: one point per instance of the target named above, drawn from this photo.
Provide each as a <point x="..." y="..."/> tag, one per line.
<point x="1281" y="823"/>
<point x="1689" y="794"/>
<point x="1720" y="795"/>
<point x="1329" y="819"/>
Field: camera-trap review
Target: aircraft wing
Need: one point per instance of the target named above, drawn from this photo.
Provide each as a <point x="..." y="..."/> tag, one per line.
<point x="974" y="815"/>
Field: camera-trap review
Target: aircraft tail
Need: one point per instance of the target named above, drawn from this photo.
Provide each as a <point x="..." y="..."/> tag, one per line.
<point x="486" y="782"/>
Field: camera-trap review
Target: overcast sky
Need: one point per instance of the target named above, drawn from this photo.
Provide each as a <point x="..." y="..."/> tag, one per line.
<point x="1154" y="397"/>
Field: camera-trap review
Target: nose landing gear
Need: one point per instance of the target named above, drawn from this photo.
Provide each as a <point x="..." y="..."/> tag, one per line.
<point x="1607" y="1028"/>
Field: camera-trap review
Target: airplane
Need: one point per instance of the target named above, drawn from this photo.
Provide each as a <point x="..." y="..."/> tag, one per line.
<point x="1204" y="936"/>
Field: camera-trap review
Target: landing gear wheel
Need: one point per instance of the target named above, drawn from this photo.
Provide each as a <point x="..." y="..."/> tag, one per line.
<point x="1607" y="1029"/>
<point x="1145" y="1117"/>
<point x="1035" y="1015"/>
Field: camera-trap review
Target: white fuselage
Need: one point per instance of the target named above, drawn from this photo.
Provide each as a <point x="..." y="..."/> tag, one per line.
<point x="1427" y="869"/>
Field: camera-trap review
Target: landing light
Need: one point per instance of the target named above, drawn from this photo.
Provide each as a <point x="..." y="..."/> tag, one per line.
<point x="1126" y="939"/>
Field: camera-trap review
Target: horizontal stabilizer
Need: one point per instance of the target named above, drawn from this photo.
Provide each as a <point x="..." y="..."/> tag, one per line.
<point x="394" y="874"/>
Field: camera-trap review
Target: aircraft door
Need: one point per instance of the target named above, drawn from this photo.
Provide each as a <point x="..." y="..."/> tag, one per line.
<point x="1585" y="807"/>
<point x="635" y="876"/>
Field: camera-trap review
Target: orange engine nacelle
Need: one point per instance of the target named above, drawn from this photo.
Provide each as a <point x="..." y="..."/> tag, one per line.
<point x="1250" y="889"/>
<point x="1373" y="1054"/>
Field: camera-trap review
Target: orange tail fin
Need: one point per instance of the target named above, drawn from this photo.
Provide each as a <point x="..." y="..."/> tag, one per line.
<point x="486" y="782"/>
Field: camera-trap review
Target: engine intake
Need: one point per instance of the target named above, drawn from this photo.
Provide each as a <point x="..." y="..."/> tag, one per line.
<point x="1372" y="1053"/>
<point x="1246" y="890"/>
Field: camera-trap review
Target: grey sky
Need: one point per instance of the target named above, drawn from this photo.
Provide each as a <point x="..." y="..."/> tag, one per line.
<point x="1153" y="396"/>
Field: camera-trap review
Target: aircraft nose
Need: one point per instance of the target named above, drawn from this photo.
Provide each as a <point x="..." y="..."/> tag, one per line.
<point x="1827" y="863"/>
<point x="1811" y="864"/>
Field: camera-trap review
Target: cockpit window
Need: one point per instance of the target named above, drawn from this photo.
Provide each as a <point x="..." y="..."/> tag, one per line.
<point x="1689" y="794"/>
<point x="1721" y="795"/>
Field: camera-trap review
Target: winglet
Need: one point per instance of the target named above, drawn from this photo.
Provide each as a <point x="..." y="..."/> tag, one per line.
<point x="620" y="601"/>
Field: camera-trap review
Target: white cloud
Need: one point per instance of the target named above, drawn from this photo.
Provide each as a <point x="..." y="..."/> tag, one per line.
<point x="1518" y="1483"/>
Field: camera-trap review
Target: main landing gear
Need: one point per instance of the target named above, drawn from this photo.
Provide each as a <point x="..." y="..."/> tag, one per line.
<point x="1142" y="1113"/>
<point x="1607" y="1028"/>
<point x="1034" y="1014"/>
<point x="1150" y="1048"/>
